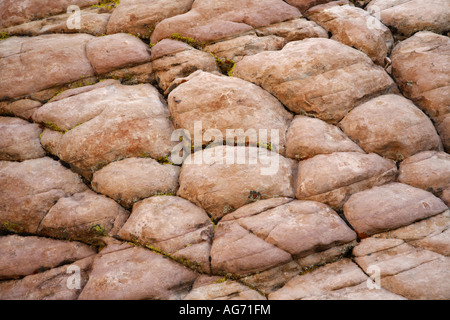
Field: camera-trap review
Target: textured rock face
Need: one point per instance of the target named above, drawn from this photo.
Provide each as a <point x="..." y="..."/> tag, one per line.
<point x="116" y="51"/>
<point x="400" y="265"/>
<point x="175" y="59"/>
<point x="256" y="174"/>
<point x="277" y="235"/>
<point x="130" y="180"/>
<point x="34" y="64"/>
<point x="19" y="140"/>
<point x="346" y="77"/>
<point x="30" y="189"/>
<point x="354" y="27"/>
<point x="17" y="12"/>
<point x="173" y="226"/>
<point x="336" y="281"/>
<point x="37" y="254"/>
<point x="84" y="216"/>
<point x="346" y="173"/>
<point x="216" y="288"/>
<point x="139" y="17"/>
<point x="391" y="126"/>
<point x="149" y="276"/>
<point x="408" y="17"/>
<point x="389" y="207"/>
<point x="224" y="149"/>
<point x="307" y="137"/>
<point x="228" y="105"/>
<point x="429" y="170"/>
<point x="212" y="20"/>
<point x="130" y="121"/>
<point x="421" y="67"/>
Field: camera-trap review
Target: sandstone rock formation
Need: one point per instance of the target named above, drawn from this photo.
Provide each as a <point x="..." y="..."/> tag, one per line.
<point x="224" y="150"/>
<point x="316" y="77"/>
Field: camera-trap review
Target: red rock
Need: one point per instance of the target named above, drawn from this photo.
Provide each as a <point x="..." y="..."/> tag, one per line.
<point x="259" y="174"/>
<point x="212" y="20"/>
<point x="229" y="105"/>
<point x="136" y="273"/>
<point x="30" y="188"/>
<point x="391" y="126"/>
<point x="130" y="180"/>
<point x="22" y="256"/>
<point x="354" y="27"/>
<point x="333" y="178"/>
<point x="308" y="137"/>
<point x="39" y="63"/>
<point x="14" y="12"/>
<point x="19" y="140"/>
<point x="410" y="16"/>
<point x="346" y="78"/>
<point x="116" y="51"/>
<point x="173" y="226"/>
<point x="389" y="207"/>
<point x="85" y="216"/>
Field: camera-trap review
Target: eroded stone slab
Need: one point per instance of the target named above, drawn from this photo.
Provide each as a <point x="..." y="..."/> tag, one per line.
<point x="223" y="178"/>
<point x="173" y="226"/>
<point x="92" y="129"/>
<point x="30" y="188"/>
<point x="333" y="178"/>
<point x="19" y="140"/>
<point x="130" y="180"/>
<point x="391" y="126"/>
<point x="389" y="207"/>
<point x="346" y="77"/>
<point x="136" y="273"/>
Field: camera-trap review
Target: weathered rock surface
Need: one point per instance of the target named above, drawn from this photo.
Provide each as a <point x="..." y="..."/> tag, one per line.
<point x="354" y="27"/>
<point x="227" y="150"/>
<point x="406" y="17"/>
<point x="389" y="207"/>
<point x="54" y="284"/>
<point x="173" y="59"/>
<point x="173" y="226"/>
<point x="246" y="45"/>
<point x="91" y="129"/>
<point x="432" y="234"/>
<point x="339" y="280"/>
<point x="333" y="178"/>
<point x="30" y="188"/>
<point x="33" y="64"/>
<point x="217" y="288"/>
<point x="308" y="137"/>
<point x="410" y="272"/>
<point x="428" y="170"/>
<point x="136" y="273"/>
<point x="391" y="126"/>
<point x="24" y="108"/>
<point x="84" y="216"/>
<point x="14" y="12"/>
<point x="292" y="30"/>
<point x="319" y="77"/>
<point x="139" y="17"/>
<point x="116" y="51"/>
<point x="91" y="22"/>
<point x="130" y="180"/>
<point x="19" y="140"/>
<point x="232" y="107"/>
<point x="256" y="173"/>
<point x="304" y="5"/>
<point x="22" y="256"/>
<point x="212" y="20"/>
<point x="263" y="239"/>
<point x="421" y="67"/>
